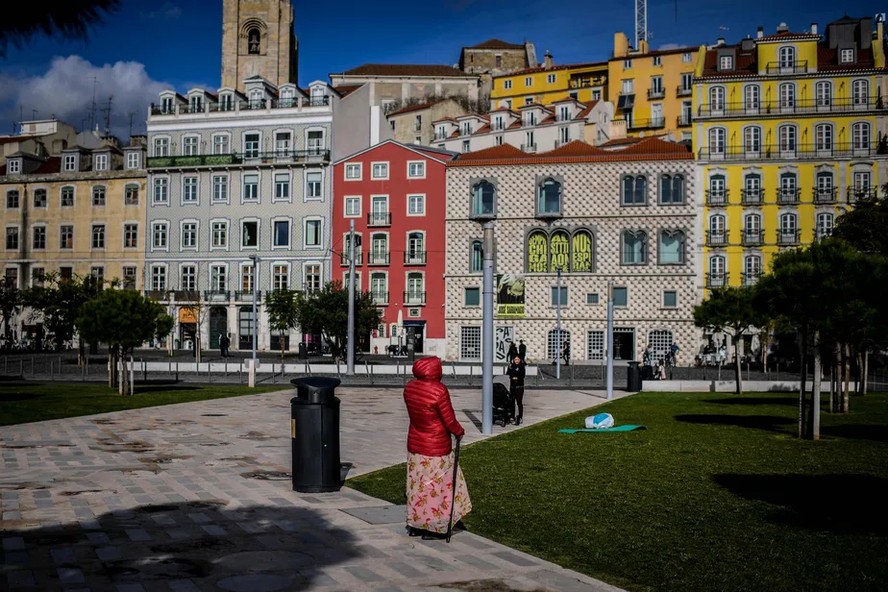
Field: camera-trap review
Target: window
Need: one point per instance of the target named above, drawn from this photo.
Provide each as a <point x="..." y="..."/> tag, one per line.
<point x="717" y="142"/>
<point x="415" y="289"/>
<point x="620" y="295"/>
<point x="787" y="94"/>
<point x="658" y="60"/>
<point x="860" y="136"/>
<point x="528" y="81"/>
<point x="752" y="229"/>
<point x="12" y="198"/>
<point x="859" y="92"/>
<point x="133" y="159"/>
<point x="189" y="189"/>
<point x="250" y="234"/>
<point x="38" y="240"/>
<point x="717" y="235"/>
<point x="786" y="56"/>
<point x="670" y="298"/>
<point x="129" y="277"/>
<point x="634" y="190"/>
<point x="280" y="276"/>
<point x="549" y="197"/>
<point x="671" y="248"/>
<point x="786" y="138"/>
<point x="657" y="86"/>
<point x="283" y="142"/>
<point x="752" y="140"/>
<point x="353" y="171"/>
<point x="825" y="222"/>
<point x="161" y="146"/>
<point x="220" y="188"/>
<point x="69" y="164"/>
<point x="313" y="185"/>
<point x="281" y="237"/>
<point x="823" y="136"/>
<point x="315" y="142"/>
<point x="218" y="277"/>
<point x="627" y="86"/>
<point x="415" y="248"/>
<point x="12" y="238"/>
<point x="219" y="233"/>
<point x="380" y="170"/>
<point x="751" y="97"/>
<point x="726" y="62"/>
<point x="97" y="272"/>
<point x="550" y="79"/>
<point x="282" y="186"/>
<point x="823" y="93"/>
<point x="312" y="233"/>
<point x="130" y="236"/>
<point x="379" y="287"/>
<point x="558" y="296"/>
<point x="251" y="145"/>
<point x="221" y="144"/>
<point x="687" y="82"/>
<point x="67" y="197"/>
<point x="717" y="98"/>
<point x="416" y="169"/>
<point x="311" y="277"/>
<point x="189" y="146"/>
<point x="846" y="56"/>
<point x="789" y="229"/>
<point x="686" y="58"/>
<point x="251" y="187"/>
<point x="188" y="277"/>
<point x="788" y="191"/>
<point x="476" y="257"/>
<point x="352" y="206"/>
<point x="13" y="166"/>
<point x="824" y="190"/>
<point x="672" y="189"/>
<point x="470" y="343"/>
<point x="161" y="190"/>
<point x="189" y="235"/>
<point x="40" y="199"/>
<point x="131" y="195"/>
<point x="717" y="277"/>
<point x="507" y="84"/>
<point x="66" y="236"/>
<point x="752" y="269"/>
<point x="159" y="234"/>
<point x="627" y="63"/>
<point x="98" y="195"/>
<point x="483" y="199"/>
<point x="158" y="278"/>
<point x="472" y="297"/>
<point x="592" y="298"/>
<point x="466" y="146"/>
<point x="634" y="247"/>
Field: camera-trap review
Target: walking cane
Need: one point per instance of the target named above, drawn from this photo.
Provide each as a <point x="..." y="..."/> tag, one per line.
<point x="453" y="493"/>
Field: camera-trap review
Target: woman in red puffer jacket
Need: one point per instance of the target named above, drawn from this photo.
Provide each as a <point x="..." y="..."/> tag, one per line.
<point x="430" y="454"/>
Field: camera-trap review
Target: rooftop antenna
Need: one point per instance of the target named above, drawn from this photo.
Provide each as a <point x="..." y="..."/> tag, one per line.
<point x="92" y="109"/>
<point x="131" y="116"/>
<point x="107" y="112"/>
<point x="641" y="32"/>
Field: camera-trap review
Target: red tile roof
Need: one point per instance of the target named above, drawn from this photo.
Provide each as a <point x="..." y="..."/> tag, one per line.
<point x="496" y="44"/>
<point x="788" y="36"/>
<point x="430" y="70"/>
<point x="503" y="151"/>
<point x="417" y="107"/>
<point x="654" y="145"/>
<point x="347" y="89"/>
<point x="576" y="148"/>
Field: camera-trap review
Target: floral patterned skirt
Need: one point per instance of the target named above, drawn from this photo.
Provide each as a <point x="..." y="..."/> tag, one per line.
<point x="429" y="492"/>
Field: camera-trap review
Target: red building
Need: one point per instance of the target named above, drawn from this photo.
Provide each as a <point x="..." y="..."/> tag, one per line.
<point x="395" y="194"/>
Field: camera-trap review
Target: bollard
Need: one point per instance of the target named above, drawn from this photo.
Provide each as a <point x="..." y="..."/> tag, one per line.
<point x="226" y="368"/>
<point x="169" y="367"/>
<point x="177" y="371"/>
<point x="273" y="374"/>
<point x="144" y="371"/>
<point x="240" y="374"/>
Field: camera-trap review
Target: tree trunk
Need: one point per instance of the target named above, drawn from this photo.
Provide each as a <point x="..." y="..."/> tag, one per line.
<point x="113" y="374"/>
<point x="845" y="398"/>
<point x="803" y="347"/>
<point x="815" y="390"/>
<point x="865" y="373"/>
<point x="124" y="375"/>
<point x="738" y="374"/>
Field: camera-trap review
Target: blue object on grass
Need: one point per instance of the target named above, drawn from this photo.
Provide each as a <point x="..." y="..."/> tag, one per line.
<point x="622" y="428"/>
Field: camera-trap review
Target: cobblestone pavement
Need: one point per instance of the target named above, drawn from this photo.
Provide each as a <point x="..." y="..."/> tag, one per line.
<point x="198" y="496"/>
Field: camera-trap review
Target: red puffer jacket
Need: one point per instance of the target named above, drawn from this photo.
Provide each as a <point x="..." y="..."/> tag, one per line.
<point x="432" y="419"/>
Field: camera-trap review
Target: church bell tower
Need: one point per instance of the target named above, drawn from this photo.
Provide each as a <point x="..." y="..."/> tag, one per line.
<point x="258" y="40"/>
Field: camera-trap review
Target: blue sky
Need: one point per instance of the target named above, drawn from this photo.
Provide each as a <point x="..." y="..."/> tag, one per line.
<point x="148" y="46"/>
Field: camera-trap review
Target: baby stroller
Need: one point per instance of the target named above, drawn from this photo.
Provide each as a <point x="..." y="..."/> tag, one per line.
<point x="502" y="404"/>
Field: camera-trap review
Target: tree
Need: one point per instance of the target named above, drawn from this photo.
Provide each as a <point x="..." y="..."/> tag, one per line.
<point x="730" y="310"/>
<point x="283" y="313"/>
<point x="325" y="311"/>
<point x="10" y="303"/>
<point x="863" y="227"/>
<point x="58" y="302"/>
<point x="69" y="20"/>
<point x="123" y="319"/>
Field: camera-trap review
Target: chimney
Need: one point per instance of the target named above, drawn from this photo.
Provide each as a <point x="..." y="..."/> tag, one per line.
<point x="547" y="60"/>
<point x="720" y="41"/>
<point x="760" y="32"/>
<point x="782" y="28"/>
<point x="814" y="28"/>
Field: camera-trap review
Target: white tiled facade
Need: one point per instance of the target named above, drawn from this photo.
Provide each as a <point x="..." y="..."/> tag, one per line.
<point x="591" y="200"/>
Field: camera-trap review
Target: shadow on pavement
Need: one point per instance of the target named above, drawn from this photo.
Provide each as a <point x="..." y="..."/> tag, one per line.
<point x="251" y="547"/>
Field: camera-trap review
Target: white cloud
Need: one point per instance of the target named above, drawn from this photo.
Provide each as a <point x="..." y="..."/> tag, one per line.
<point x="67" y="91"/>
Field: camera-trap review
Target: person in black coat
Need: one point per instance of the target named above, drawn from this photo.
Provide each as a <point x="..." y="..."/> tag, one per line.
<point x="516" y="388"/>
<point x="522" y="350"/>
<point x="513" y="351"/>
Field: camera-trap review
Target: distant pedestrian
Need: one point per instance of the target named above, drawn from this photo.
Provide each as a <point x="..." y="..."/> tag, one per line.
<point x="565" y="353"/>
<point x="522" y="351"/>
<point x="224" y="344"/>
<point x="516" y="374"/>
<point x="513" y="351"/>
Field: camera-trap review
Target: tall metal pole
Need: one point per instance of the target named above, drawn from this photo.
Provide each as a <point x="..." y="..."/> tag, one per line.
<point x="487" y="332"/>
<point x="560" y="338"/>
<point x="610" y="340"/>
<point x="255" y="259"/>
<point x="350" y="335"/>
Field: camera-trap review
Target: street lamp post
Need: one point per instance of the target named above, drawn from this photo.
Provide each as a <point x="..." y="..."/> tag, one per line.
<point x="350" y="333"/>
<point x="487" y="331"/>
<point x="610" y="340"/>
<point x="255" y="259"/>
<point x="560" y="340"/>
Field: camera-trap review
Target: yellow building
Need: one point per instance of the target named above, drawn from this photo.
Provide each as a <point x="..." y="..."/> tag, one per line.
<point x="652" y="90"/>
<point x="789" y="132"/>
<point x="549" y="83"/>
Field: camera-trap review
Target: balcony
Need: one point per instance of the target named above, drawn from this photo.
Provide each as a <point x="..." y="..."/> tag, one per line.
<point x="854" y="194"/>
<point x="225" y="106"/>
<point x="652" y="123"/>
<point x="498" y="126"/>
<point x="212" y="160"/>
<point x="824" y="195"/>
<point x="656" y="93"/>
<point x="795" y="67"/>
<point x="788" y="196"/>
<point x="716" y="238"/>
<point x="752" y="238"/>
<point x="379" y="219"/>
<point x="414" y="257"/>
<point x="751" y="278"/>
<point x="440" y="135"/>
<point x="552" y="214"/>
<point x="414" y="298"/>
<point x="684" y="120"/>
<point x="751" y="197"/>
<point x="716" y="280"/>
<point x="787" y="238"/>
<point x="528" y="147"/>
<point x="379" y="297"/>
<point x="359" y="257"/>
<point x="379" y="258"/>
<point x="159" y="295"/>
<point x="716" y="197"/>
<point x="799" y="106"/>
<point x="681" y="91"/>
<point x="216" y="295"/>
<point x="246" y="295"/>
<point x="790" y="152"/>
<point x="186" y="295"/>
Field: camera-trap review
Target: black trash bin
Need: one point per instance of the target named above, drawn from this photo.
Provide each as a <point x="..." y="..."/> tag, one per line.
<point x="314" y="434"/>
<point x="633" y="382"/>
<point x="303" y="352"/>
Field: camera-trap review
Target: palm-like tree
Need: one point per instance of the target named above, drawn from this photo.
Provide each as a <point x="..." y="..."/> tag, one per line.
<point x="69" y="20"/>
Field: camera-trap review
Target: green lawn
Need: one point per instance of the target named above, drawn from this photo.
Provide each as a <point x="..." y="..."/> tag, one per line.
<point x="717" y="494"/>
<point x="23" y="403"/>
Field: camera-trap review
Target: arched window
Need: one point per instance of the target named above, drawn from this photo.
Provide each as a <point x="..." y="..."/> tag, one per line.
<point x="254" y="37"/>
<point x="634" y="190"/>
<point x="787" y="94"/>
<point x="823" y="136"/>
<point x="717" y="277"/>
<point x="379" y="252"/>
<point x="416" y="253"/>
<point x="786" y="55"/>
<point x="752" y="140"/>
<point x="717" y="235"/>
<point x="537" y="252"/>
<point x="671" y="248"/>
<point x="788" y="192"/>
<point x="672" y="189"/>
<point x="860" y="135"/>
<point x="824" y="224"/>
<point x="634" y="247"/>
<point x="717" y="142"/>
<point x="581" y="251"/>
<point x="751" y="95"/>
<point x="860" y="92"/>
<point x="823" y="93"/>
<point x="752" y="269"/>
<point x="786" y="136"/>
<point x="555" y="342"/>
<point x="789" y="229"/>
<point x="718" y="194"/>
<point x="415" y="293"/>
<point x="825" y="189"/>
<point x="752" y="229"/>
<point x="476" y="257"/>
<point x="717" y="98"/>
<point x="752" y="189"/>
<point x="549" y="197"/>
<point x="483" y="199"/>
<point x="559" y="250"/>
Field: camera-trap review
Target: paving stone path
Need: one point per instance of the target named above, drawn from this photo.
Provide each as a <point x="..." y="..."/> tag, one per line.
<point x="198" y="497"/>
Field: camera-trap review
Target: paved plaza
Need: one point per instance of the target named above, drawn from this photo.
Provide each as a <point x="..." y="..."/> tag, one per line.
<point x="198" y="496"/>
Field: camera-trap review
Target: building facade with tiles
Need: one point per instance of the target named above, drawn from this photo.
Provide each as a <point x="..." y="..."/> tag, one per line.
<point x="395" y="196"/>
<point x="789" y="131"/>
<point x="623" y="221"/>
